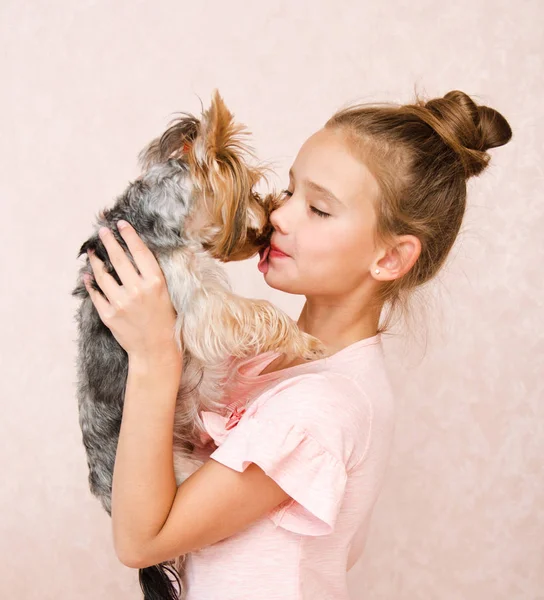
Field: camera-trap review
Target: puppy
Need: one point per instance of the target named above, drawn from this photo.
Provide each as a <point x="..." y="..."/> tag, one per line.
<point x="194" y="206"/>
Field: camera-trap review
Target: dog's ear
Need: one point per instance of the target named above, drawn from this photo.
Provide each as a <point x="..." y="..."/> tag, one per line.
<point x="220" y="164"/>
<point x="173" y="143"/>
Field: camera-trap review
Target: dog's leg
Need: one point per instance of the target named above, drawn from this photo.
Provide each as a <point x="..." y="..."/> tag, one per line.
<point x="229" y="325"/>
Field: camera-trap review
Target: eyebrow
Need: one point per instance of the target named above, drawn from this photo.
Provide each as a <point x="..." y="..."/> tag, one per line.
<point x="319" y="188"/>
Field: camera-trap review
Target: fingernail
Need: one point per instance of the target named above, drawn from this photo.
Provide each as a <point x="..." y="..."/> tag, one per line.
<point x="121" y="224"/>
<point x="103" y="231"/>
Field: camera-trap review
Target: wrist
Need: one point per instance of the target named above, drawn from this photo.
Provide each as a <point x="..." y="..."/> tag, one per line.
<point x="166" y="358"/>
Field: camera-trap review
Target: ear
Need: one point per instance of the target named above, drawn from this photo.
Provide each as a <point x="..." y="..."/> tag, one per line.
<point x="400" y="258"/>
<point x="173" y="143"/>
<point x="220" y="166"/>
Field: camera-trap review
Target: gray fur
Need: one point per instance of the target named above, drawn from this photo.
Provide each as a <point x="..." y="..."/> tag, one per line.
<point x="165" y="207"/>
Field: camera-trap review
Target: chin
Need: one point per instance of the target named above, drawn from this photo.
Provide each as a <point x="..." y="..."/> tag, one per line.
<point x="278" y="283"/>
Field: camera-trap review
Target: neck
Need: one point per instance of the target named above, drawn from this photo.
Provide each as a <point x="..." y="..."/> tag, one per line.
<point x="337" y="326"/>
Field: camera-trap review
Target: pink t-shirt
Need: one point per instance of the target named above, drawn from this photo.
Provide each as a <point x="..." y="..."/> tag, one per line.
<point x="323" y="431"/>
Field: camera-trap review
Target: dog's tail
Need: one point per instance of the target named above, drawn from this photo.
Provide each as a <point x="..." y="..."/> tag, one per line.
<point x="157" y="585"/>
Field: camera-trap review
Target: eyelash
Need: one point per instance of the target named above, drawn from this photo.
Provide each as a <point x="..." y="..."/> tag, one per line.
<point x="315" y="210"/>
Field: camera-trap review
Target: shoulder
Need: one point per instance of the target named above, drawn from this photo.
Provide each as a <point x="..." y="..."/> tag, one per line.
<point x="328" y="406"/>
<point x="311" y="393"/>
<point x="299" y="433"/>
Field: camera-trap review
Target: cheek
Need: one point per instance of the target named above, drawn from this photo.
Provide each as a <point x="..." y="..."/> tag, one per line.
<point x="344" y="256"/>
<point x="328" y="255"/>
<point x="335" y="246"/>
<point x="334" y="258"/>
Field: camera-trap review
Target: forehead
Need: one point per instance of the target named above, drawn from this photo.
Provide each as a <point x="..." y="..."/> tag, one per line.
<point x="326" y="159"/>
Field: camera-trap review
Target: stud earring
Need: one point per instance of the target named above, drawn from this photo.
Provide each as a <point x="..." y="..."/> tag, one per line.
<point x="377" y="271"/>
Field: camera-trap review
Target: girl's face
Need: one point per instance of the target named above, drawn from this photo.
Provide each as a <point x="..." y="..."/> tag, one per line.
<point x="328" y="255"/>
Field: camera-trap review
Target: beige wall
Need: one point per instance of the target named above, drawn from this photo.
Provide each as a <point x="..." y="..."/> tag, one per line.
<point x="85" y="85"/>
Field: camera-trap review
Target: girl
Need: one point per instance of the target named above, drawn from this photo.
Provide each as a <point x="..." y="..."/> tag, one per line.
<point x="281" y="509"/>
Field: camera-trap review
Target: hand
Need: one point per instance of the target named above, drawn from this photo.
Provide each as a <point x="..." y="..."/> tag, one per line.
<point x="139" y="312"/>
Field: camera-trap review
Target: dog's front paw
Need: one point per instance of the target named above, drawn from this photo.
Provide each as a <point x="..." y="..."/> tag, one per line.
<point x="310" y="347"/>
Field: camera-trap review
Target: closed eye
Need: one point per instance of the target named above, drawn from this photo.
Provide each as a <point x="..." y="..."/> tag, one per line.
<point x="315" y="210"/>
<point x="319" y="212"/>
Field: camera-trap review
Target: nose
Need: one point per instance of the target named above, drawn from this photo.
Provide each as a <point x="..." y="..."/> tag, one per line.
<point x="278" y="218"/>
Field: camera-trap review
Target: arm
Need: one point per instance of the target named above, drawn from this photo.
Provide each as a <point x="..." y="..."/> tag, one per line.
<point x="144" y="484"/>
<point x="152" y="520"/>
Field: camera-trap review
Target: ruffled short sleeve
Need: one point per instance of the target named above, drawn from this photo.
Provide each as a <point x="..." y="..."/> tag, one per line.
<point x="295" y="432"/>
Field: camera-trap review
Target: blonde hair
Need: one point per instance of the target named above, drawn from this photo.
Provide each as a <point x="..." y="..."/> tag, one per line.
<point x="421" y="155"/>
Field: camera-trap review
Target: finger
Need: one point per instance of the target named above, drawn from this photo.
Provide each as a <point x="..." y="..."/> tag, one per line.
<point x="112" y="290"/>
<point x="143" y="257"/>
<point x="101" y="304"/>
<point x="119" y="259"/>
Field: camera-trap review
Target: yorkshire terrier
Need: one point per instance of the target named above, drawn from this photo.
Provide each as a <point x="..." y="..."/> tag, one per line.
<point x="194" y="205"/>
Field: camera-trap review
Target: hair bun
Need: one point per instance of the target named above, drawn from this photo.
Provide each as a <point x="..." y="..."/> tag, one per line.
<point x="467" y="128"/>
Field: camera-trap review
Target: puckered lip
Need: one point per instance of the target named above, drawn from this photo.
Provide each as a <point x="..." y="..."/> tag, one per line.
<point x="274" y="247"/>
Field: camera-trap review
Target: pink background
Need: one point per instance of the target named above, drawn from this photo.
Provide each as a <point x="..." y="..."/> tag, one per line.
<point x="85" y="85"/>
